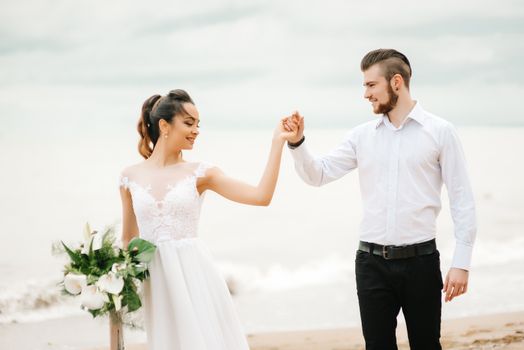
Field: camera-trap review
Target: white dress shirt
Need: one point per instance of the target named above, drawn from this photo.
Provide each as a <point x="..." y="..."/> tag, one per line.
<point x="401" y="171"/>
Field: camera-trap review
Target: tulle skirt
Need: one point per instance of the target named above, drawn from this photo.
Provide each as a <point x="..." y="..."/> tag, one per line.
<point x="187" y="305"/>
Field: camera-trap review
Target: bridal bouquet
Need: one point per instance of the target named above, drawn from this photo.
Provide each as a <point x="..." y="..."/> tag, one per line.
<point x="104" y="275"/>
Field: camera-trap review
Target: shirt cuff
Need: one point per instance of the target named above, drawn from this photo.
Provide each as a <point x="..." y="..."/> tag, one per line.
<point x="296" y="144"/>
<point x="300" y="154"/>
<point x="462" y="256"/>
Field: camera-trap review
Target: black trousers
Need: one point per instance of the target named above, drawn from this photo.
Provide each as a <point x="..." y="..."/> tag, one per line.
<point x="386" y="286"/>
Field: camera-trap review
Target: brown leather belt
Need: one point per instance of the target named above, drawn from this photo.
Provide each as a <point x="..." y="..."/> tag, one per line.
<point x="390" y="252"/>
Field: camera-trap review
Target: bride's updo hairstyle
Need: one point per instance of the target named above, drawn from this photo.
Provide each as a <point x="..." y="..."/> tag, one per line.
<point x="155" y="108"/>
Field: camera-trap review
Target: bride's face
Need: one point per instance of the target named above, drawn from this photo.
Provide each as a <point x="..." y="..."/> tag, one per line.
<point x="184" y="128"/>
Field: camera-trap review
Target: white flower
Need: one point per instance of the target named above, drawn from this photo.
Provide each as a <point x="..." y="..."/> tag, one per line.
<point x="111" y="283"/>
<point x="92" y="298"/>
<point x="87" y="232"/>
<point x="118" y="267"/>
<point x="97" y="241"/>
<point x="74" y="283"/>
<point x="91" y="237"/>
<point x="117" y="299"/>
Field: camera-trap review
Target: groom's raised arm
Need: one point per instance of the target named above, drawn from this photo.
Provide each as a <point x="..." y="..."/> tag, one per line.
<point x="318" y="171"/>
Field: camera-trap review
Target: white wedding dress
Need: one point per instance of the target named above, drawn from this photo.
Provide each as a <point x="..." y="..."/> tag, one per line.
<point x="186" y="300"/>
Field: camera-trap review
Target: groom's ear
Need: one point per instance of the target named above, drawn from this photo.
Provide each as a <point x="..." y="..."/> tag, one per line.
<point x="396" y="82"/>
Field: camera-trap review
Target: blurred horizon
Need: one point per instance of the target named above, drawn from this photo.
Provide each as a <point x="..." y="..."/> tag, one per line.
<point x="89" y="65"/>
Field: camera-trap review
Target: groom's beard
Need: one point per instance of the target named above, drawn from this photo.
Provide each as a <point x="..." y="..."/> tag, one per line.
<point x="385" y="108"/>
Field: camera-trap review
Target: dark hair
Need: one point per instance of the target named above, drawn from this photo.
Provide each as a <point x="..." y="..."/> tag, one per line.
<point x="391" y="61"/>
<point x="155" y="108"/>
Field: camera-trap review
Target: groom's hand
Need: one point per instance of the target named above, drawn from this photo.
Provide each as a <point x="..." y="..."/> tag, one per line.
<point x="285" y="132"/>
<point x="456" y="283"/>
<point x="295" y="122"/>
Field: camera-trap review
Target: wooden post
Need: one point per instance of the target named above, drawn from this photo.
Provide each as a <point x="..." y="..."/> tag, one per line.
<point x="116" y="334"/>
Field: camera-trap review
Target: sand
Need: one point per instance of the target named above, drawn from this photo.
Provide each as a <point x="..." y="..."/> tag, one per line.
<point x="501" y="331"/>
<point x="495" y="331"/>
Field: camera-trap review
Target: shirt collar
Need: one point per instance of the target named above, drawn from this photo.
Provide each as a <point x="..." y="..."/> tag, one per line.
<point x="417" y="114"/>
<point x="380" y="121"/>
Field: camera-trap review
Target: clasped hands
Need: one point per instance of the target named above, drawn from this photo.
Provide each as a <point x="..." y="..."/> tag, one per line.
<point x="290" y="128"/>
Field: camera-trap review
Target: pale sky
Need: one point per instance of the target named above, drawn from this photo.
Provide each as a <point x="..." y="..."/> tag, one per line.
<point x="247" y="63"/>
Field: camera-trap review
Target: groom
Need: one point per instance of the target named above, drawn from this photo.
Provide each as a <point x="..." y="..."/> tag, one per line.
<point x="403" y="158"/>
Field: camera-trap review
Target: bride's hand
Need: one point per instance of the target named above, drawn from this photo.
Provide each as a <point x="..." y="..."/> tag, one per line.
<point x="285" y="131"/>
<point x="295" y="122"/>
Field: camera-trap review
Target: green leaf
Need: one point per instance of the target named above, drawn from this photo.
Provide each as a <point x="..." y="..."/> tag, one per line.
<point x="91" y="279"/>
<point x="90" y="253"/>
<point x="145" y="250"/>
<point x="130" y="298"/>
<point x="140" y="269"/>
<point x="75" y="257"/>
<point x="146" y="256"/>
<point x="109" y="236"/>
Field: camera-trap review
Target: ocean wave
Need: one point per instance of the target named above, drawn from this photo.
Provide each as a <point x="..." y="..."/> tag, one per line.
<point x="35" y="300"/>
<point x="39" y="300"/>
<point x="493" y="252"/>
<point x="244" y="278"/>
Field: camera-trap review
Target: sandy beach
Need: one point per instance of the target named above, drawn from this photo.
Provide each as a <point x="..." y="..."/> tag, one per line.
<point x="496" y="331"/>
<point x="501" y="331"/>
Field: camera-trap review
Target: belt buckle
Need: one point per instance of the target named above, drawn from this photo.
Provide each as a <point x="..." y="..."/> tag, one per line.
<point x="385" y="252"/>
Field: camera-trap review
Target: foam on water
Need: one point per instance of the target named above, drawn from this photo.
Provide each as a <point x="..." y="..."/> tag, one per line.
<point x="34" y="301"/>
<point x="298" y="251"/>
<point x="37" y="300"/>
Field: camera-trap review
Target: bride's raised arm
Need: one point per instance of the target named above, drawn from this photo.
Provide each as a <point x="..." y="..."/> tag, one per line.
<point x="238" y="191"/>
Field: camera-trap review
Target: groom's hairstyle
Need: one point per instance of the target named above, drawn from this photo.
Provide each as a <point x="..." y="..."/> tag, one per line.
<point x="391" y="61"/>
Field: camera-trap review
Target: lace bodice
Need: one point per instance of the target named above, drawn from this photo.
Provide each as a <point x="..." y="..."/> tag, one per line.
<point x="166" y="203"/>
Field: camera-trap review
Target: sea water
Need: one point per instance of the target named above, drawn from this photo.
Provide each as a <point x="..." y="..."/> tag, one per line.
<point x="290" y="265"/>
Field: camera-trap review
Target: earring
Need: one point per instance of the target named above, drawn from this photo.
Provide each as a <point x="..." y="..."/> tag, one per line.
<point x="165" y="136"/>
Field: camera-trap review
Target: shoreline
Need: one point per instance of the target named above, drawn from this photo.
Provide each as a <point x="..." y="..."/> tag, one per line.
<point x="499" y="331"/>
<point x="493" y="331"/>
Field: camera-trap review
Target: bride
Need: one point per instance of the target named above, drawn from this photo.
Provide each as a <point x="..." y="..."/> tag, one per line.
<point x="187" y="302"/>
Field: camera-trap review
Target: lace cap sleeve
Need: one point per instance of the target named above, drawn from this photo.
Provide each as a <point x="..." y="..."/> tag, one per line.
<point x="123" y="181"/>
<point x="202" y="168"/>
